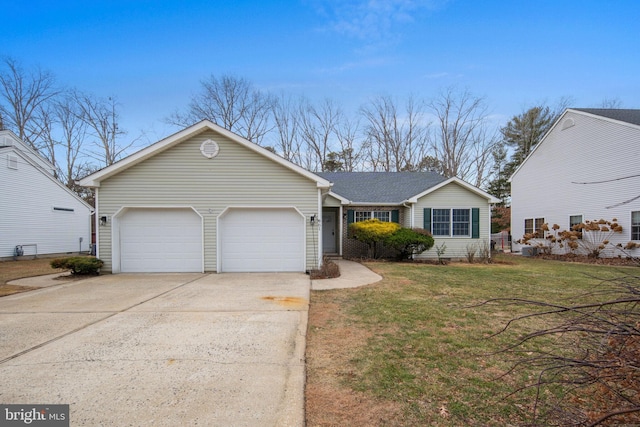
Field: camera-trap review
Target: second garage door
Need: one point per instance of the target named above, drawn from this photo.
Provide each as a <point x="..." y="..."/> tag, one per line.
<point x="261" y="240"/>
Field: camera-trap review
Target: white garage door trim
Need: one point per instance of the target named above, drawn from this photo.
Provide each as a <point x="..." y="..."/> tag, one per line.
<point x="193" y="233"/>
<point x="281" y="234"/>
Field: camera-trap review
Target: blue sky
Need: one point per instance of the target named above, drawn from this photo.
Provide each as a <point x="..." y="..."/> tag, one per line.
<point x="152" y="55"/>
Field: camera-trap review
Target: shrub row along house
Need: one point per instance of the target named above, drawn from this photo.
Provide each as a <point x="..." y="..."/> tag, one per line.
<point x="205" y="199"/>
<point x="586" y="168"/>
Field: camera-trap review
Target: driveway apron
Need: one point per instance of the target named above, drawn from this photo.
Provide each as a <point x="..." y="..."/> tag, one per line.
<point x="162" y="350"/>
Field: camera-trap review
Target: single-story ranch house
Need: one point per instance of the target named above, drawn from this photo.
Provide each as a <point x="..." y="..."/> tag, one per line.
<point x="207" y="200"/>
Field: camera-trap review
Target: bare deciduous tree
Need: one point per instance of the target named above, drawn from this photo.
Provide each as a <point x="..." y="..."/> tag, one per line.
<point x="395" y="140"/>
<point x="73" y="131"/>
<point x="590" y="349"/>
<point x="232" y="103"/>
<point x="287" y="128"/>
<point x="23" y="94"/>
<point x="101" y="117"/>
<point x="347" y="133"/>
<point x="460" y="139"/>
<point x="317" y="131"/>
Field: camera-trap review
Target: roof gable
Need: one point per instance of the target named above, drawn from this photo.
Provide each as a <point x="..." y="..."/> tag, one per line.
<point x="94" y="179"/>
<point x="36" y="162"/>
<point x="389" y="188"/>
<point x="9" y="140"/>
<point x="622" y="117"/>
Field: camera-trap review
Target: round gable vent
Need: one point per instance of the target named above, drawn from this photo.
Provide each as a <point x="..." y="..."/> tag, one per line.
<point x="209" y="149"/>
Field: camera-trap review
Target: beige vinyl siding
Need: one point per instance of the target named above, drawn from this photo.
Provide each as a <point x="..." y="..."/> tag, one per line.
<point x="331" y="202"/>
<point x="454" y="196"/>
<point x="181" y="176"/>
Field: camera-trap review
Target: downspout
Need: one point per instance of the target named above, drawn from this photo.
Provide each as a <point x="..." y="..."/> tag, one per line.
<point x="318" y="228"/>
<point x="411" y="220"/>
<point x="96" y="221"/>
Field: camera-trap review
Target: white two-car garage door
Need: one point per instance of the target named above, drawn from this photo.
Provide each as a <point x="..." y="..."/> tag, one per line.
<point x="261" y="240"/>
<point x="160" y="240"/>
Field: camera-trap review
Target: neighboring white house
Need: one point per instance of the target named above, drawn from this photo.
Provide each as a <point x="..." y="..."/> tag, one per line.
<point x="205" y="199"/>
<point x="38" y="214"/>
<point x="587" y="167"/>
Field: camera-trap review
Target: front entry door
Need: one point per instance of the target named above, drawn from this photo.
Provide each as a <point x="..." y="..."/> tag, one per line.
<point x="329" y="232"/>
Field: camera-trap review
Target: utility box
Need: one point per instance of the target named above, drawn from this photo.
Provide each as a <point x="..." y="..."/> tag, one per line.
<point x="529" y="251"/>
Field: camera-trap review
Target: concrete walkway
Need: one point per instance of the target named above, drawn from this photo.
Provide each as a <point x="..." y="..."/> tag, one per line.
<point x="352" y="275"/>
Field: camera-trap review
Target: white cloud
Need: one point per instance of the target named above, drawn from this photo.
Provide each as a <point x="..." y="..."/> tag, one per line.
<point x="372" y="20"/>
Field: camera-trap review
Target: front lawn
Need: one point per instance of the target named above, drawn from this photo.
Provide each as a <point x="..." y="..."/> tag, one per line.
<point x="416" y="349"/>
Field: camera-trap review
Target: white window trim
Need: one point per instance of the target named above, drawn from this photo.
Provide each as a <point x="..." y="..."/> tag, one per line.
<point x="534" y="219"/>
<point x="631" y="227"/>
<point x="371" y="215"/>
<point x="450" y="235"/>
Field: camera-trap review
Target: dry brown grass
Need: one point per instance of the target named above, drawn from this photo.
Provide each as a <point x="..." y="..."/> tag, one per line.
<point x="13" y="270"/>
<point x="329" y="403"/>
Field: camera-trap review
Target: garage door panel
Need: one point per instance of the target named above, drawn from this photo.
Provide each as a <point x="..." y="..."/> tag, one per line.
<point x="262" y="240"/>
<point x="160" y="240"/>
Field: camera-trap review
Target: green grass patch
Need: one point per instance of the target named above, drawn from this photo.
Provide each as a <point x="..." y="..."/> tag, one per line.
<point x="432" y="346"/>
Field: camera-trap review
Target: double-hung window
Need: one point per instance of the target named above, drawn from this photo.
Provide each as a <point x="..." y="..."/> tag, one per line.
<point x="533" y="225"/>
<point x="362" y="216"/>
<point x="574" y="220"/>
<point x="451" y="222"/>
<point x="384" y="216"/>
<point x="365" y="215"/>
<point x="635" y="225"/>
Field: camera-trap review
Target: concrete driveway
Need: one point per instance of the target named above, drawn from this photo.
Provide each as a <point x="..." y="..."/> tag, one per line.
<point x="162" y="350"/>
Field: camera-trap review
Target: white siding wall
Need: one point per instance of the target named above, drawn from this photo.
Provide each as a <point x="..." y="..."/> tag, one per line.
<point x="181" y="176"/>
<point x="27" y="199"/>
<point x="454" y="196"/>
<point x="594" y="149"/>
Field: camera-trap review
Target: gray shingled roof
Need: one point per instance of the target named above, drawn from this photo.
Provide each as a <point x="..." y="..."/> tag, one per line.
<point x="623" y="115"/>
<point x="381" y="187"/>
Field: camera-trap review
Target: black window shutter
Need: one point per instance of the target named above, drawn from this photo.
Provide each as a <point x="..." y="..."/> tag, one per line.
<point x="350" y="216"/>
<point x="475" y="223"/>
<point x="427" y="219"/>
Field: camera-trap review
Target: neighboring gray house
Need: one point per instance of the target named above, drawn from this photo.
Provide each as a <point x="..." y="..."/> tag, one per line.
<point x="38" y="214"/>
<point x="205" y="199"/>
<point x="585" y="168"/>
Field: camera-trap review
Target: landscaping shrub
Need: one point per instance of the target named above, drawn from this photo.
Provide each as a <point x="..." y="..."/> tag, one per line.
<point x="328" y="270"/>
<point x="79" y="265"/>
<point x="590" y="238"/>
<point x="372" y="231"/>
<point x="409" y="241"/>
